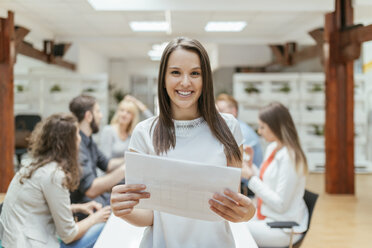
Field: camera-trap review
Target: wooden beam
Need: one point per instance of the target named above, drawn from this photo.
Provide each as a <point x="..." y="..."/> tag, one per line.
<point x="49" y="50"/>
<point x="20" y="34"/>
<point x="339" y="125"/>
<point x="278" y="51"/>
<point x="305" y="54"/>
<point x="350" y="52"/>
<point x="289" y="51"/>
<point x="288" y="54"/>
<point x="27" y="49"/>
<point x="7" y="56"/>
<point x="250" y="69"/>
<point x="361" y="34"/>
<point x="62" y="63"/>
<point x="351" y="40"/>
<point x="48" y="54"/>
<point x="318" y="35"/>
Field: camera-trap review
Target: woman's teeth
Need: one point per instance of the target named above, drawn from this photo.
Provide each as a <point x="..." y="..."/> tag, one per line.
<point x="184" y="93"/>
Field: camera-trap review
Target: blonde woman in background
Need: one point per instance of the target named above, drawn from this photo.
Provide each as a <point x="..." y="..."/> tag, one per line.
<point x="116" y="136"/>
<point x="280" y="183"/>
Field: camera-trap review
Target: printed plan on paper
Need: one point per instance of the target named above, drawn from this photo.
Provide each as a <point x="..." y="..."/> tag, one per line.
<point x="179" y="187"/>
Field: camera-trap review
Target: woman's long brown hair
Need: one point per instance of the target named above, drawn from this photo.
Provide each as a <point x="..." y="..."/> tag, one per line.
<point x="54" y="139"/>
<point x="280" y="122"/>
<point x="164" y="131"/>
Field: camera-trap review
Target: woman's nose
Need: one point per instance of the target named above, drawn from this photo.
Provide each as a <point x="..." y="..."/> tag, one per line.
<point x="185" y="80"/>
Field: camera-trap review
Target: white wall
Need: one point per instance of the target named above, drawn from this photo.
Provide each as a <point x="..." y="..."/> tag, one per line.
<point x="26" y="65"/>
<point x="87" y="60"/>
<point x="311" y="65"/>
<point x="90" y="62"/>
<point x="222" y="80"/>
<point x="243" y="55"/>
<point x="121" y="71"/>
<point x="37" y="31"/>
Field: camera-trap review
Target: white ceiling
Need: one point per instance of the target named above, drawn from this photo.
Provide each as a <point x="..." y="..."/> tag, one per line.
<point x="108" y="32"/>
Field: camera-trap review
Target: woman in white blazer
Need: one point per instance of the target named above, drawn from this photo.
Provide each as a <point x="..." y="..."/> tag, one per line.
<point x="37" y="210"/>
<point x="280" y="184"/>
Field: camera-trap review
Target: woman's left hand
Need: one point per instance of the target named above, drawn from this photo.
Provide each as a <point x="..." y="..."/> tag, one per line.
<point x="90" y="207"/>
<point x="232" y="206"/>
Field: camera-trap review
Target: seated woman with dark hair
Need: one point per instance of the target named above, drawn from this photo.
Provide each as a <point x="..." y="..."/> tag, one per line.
<point x="280" y="183"/>
<point x="37" y="208"/>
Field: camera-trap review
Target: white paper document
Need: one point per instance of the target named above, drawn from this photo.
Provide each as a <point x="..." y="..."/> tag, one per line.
<point x="179" y="187"/>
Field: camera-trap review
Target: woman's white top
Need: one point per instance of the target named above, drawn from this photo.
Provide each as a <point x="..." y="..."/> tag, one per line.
<point x="194" y="142"/>
<point x="38" y="210"/>
<point x="111" y="144"/>
<point x="281" y="190"/>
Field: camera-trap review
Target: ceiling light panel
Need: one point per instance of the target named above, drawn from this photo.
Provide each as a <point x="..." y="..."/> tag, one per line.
<point x="225" y="26"/>
<point x="149" y="26"/>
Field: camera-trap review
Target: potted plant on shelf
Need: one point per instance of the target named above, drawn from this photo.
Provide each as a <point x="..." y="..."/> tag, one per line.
<point x="251" y="89"/>
<point x="19" y="88"/>
<point x="88" y="90"/>
<point x="285" y="88"/>
<point x="55" y="88"/>
<point x="318" y="130"/>
<point x="119" y="95"/>
<point x="317" y="88"/>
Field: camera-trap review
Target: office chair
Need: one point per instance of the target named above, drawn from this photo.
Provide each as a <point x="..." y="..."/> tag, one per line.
<point x="24" y="125"/>
<point x="310" y="199"/>
<point x="244" y="189"/>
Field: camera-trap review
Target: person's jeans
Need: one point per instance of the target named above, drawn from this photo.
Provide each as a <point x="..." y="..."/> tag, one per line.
<point x="89" y="238"/>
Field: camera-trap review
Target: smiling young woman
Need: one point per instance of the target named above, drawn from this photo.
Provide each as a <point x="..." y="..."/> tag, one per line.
<point x="188" y="124"/>
<point x="183" y="82"/>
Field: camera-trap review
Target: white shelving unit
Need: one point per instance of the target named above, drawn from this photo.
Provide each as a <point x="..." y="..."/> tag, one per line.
<point x="303" y="94"/>
<point x="36" y="96"/>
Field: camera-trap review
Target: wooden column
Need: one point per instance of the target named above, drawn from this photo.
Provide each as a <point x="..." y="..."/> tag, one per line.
<point x="339" y="126"/>
<point x="7" y="56"/>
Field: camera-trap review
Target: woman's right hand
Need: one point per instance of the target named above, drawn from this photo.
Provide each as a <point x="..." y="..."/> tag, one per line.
<point x="247" y="171"/>
<point x="137" y="102"/>
<point x="101" y="215"/>
<point x="125" y="197"/>
<point x="90" y="207"/>
<point x="248" y="152"/>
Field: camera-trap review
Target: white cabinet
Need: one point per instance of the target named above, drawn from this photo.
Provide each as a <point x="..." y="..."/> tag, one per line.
<point x="303" y="94"/>
<point x="46" y="94"/>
